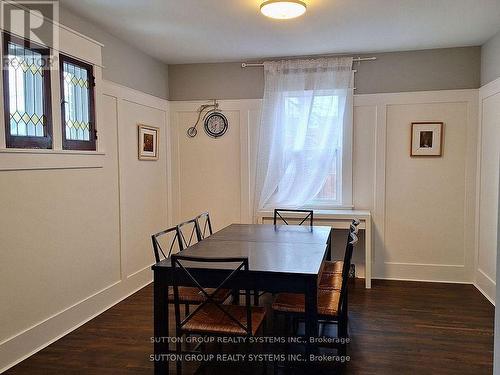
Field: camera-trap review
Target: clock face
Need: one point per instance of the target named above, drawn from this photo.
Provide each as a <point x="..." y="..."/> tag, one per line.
<point x="216" y="124"/>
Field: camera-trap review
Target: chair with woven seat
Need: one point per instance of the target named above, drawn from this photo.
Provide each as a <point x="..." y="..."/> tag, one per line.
<point x="335" y="267"/>
<point x="212" y="317"/>
<point x="332" y="281"/>
<point x="332" y="304"/>
<point x="189" y="233"/>
<point x="309" y="216"/>
<point x="335" y="281"/>
<point x="188" y="295"/>
<point x="204" y="224"/>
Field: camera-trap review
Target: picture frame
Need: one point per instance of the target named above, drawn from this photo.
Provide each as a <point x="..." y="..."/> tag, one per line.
<point x="426" y="139"/>
<point x="148" y="142"/>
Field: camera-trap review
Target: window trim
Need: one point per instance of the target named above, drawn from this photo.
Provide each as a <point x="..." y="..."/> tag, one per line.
<point x="13" y="141"/>
<point x="345" y="167"/>
<point x="68" y="144"/>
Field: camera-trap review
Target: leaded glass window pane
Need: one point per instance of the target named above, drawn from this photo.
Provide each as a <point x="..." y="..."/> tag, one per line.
<point x="26" y="91"/>
<point x="77" y="91"/>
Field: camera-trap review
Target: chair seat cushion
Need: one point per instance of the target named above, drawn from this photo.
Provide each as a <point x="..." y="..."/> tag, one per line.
<point x="331" y="281"/>
<point x="193" y="295"/>
<point x="328" y="302"/>
<point x="211" y="320"/>
<point x="333" y="267"/>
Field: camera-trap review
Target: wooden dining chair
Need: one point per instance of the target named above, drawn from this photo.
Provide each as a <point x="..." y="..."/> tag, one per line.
<point x="335" y="267"/>
<point x="211" y="317"/>
<point x="332" y="277"/>
<point x="189" y="233"/>
<point x="308" y="216"/>
<point x="170" y="239"/>
<point x="332" y="304"/>
<point x="204" y="224"/>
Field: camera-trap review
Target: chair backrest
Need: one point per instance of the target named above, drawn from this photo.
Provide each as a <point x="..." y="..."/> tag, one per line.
<point x="353" y="228"/>
<point x="204" y="224"/>
<point x="181" y="270"/>
<point x="189" y="233"/>
<point x="170" y="240"/>
<point x="347" y="265"/>
<point x="309" y="216"/>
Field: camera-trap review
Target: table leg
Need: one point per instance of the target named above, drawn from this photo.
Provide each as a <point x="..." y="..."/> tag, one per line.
<point x="368" y="253"/>
<point x="160" y="324"/>
<point x="311" y="314"/>
<point x="330" y="241"/>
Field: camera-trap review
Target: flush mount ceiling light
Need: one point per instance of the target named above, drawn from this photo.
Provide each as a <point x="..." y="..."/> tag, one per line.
<point x="283" y="10"/>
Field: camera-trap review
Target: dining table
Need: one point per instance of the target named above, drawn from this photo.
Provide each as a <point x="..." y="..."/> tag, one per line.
<point x="282" y="259"/>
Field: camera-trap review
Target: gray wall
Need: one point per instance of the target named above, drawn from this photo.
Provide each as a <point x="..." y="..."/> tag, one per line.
<point x="490" y="60"/>
<point x="123" y="63"/>
<point x="438" y="69"/>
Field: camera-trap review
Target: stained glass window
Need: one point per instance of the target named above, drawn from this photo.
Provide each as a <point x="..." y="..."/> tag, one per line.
<point x="27" y="94"/>
<point x="77" y="95"/>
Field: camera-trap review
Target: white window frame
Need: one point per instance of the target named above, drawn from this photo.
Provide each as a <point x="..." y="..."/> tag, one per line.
<point x="74" y="44"/>
<point x="345" y="199"/>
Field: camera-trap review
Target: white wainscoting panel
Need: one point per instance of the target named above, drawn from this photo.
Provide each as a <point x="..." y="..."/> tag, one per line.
<point x="214" y="175"/>
<point x="410" y="192"/>
<point x="487" y="197"/>
<point x="77" y="241"/>
<point x="423" y="209"/>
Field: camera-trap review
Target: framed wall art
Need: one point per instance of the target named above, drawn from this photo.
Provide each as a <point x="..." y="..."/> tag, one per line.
<point x="148" y="142"/>
<point x="426" y="139"/>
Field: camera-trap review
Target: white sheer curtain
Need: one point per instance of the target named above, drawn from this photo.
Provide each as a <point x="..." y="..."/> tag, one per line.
<point x="301" y="129"/>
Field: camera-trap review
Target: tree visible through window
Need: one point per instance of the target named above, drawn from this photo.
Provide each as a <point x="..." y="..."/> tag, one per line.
<point x="27" y="96"/>
<point x="77" y="93"/>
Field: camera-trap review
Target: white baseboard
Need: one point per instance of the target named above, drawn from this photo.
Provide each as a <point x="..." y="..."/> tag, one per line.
<point x="484" y="294"/>
<point x="34" y="339"/>
<point x="485" y="285"/>
<point x="424" y="280"/>
<point x="439" y="273"/>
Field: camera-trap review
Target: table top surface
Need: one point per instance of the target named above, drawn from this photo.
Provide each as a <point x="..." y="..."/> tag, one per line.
<point x="273" y="233"/>
<point x="289" y="249"/>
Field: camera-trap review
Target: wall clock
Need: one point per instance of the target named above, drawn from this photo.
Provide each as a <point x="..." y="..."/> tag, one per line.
<point x="216" y="124"/>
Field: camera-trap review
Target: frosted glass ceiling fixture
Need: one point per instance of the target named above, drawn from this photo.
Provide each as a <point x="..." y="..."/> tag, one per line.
<point x="283" y="10"/>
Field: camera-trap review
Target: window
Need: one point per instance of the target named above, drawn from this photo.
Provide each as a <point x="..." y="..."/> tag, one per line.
<point x="27" y="104"/>
<point x="77" y="95"/>
<point x="306" y="114"/>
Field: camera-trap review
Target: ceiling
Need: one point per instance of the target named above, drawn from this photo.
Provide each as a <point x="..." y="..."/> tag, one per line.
<point x="193" y="31"/>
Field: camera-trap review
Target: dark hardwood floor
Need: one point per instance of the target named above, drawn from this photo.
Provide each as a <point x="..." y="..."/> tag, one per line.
<point x="396" y="328"/>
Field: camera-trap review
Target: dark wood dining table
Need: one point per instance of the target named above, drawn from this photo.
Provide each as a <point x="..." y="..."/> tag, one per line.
<point x="282" y="258"/>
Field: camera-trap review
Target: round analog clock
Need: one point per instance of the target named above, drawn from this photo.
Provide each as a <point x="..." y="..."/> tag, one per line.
<point x="216" y="124"/>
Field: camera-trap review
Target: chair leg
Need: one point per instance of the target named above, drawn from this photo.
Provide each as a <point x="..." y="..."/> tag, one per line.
<point x="178" y="362"/>
<point x="256" y="297"/>
<point x="235" y="297"/>
<point x="265" y="346"/>
<point x="287" y="339"/>
<point x="346" y="312"/>
<point x="342" y="333"/>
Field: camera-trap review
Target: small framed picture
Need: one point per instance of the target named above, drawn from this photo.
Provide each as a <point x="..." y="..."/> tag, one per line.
<point x="148" y="142"/>
<point x="426" y="139"/>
